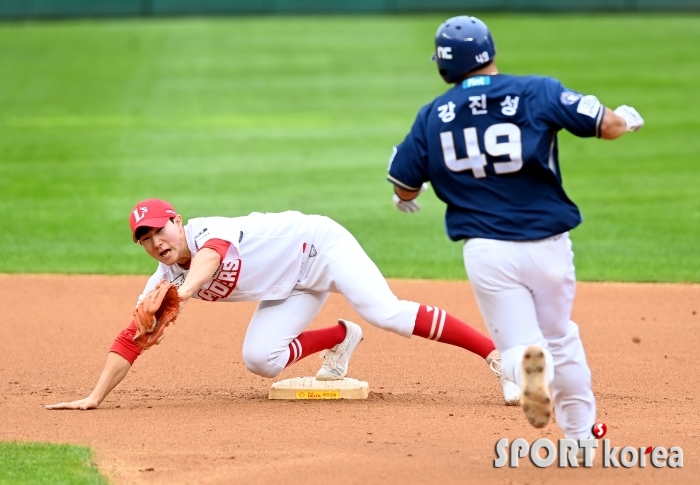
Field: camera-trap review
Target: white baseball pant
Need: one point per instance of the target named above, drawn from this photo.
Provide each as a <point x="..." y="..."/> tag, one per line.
<point x="525" y="291"/>
<point x="340" y="266"/>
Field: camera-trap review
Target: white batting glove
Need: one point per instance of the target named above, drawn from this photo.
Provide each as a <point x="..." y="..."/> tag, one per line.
<point x="632" y="118"/>
<point x="409" y="205"/>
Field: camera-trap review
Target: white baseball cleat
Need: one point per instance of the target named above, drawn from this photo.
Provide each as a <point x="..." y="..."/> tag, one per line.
<point x="536" y="399"/>
<point x="335" y="360"/>
<point x="511" y="391"/>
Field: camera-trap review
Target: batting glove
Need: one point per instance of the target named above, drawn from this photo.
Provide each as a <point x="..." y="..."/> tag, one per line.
<point x="409" y="205"/>
<point x="632" y="118"/>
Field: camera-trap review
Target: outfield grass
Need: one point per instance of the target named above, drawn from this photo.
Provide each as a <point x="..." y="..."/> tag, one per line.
<point x="231" y="115"/>
<point x="41" y="463"/>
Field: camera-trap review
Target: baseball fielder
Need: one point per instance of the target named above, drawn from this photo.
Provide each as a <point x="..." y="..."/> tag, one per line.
<point x="290" y="262"/>
<point x="489" y="147"/>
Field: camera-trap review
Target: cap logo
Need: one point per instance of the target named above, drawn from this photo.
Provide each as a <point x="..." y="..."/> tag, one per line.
<point x="138" y="216"/>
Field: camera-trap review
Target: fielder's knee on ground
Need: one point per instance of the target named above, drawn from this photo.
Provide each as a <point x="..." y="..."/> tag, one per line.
<point x="265" y="363"/>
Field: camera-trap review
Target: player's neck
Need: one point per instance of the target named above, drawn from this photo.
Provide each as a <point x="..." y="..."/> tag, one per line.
<point x="489" y="70"/>
<point x="185" y="260"/>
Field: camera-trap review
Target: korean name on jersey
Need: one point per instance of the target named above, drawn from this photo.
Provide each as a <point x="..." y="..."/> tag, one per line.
<point x="490" y="146"/>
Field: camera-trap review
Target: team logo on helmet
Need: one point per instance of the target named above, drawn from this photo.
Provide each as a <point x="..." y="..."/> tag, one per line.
<point x="444" y="52"/>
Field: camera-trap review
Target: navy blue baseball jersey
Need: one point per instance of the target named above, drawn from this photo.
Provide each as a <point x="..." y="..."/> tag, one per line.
<point x="489" y="148"/>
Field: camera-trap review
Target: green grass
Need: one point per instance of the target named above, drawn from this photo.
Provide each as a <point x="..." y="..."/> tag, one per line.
<point x="230" y="115"/>
<point x="41" y="463"/>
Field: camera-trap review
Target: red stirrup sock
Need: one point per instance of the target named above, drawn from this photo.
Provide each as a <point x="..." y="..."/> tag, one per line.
<point x="436" y="324"/>
<point x="312" y="341"/>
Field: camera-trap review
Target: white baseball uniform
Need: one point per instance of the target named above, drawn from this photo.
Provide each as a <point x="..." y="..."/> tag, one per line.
<point x="290" y="262"/>
<point x="489" y="148"/>
<point x="525" y="291"/>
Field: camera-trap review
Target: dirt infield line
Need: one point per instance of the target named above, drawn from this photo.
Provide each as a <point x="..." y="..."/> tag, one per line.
<point x="189" y="412"/>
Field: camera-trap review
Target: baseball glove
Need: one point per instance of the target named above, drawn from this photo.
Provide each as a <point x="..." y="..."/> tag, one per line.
<point x="158" y="309"/>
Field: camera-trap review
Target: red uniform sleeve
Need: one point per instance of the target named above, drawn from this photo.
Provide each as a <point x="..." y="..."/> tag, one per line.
<point x="218" y="245"/>
<point x="124" y="344"/>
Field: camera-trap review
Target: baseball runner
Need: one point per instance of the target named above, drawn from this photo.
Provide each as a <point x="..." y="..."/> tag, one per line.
<point x="289" y="262"/>
<point x="489" y="148"/>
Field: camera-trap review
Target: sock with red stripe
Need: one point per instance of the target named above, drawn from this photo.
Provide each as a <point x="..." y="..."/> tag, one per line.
<point x="436" y="324"/>
<point x="312" y="341"/>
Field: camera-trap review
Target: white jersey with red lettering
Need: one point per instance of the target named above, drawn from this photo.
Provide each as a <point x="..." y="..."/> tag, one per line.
<point x="290" y="262"/>
<point x="271" y="247"/>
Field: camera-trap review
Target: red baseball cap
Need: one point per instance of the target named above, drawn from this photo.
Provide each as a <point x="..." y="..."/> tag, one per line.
<point x="150" y="213"/>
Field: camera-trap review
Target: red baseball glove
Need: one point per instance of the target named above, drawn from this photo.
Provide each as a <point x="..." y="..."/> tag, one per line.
<point x="158" y="309"/>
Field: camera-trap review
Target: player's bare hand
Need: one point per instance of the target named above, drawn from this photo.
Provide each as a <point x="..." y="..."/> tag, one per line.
<point x="81" y="404"/>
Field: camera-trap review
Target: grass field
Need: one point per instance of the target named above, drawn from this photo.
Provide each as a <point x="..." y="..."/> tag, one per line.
<point x="232" y="115"/>
<point x="47" y="464"/>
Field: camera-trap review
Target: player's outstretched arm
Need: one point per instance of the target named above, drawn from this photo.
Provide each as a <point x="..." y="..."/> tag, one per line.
<point x="113" y="373"/>
<point x="617" y="123"/>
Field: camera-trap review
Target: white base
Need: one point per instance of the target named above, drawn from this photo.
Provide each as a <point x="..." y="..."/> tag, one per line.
<point x="310" y="388"/>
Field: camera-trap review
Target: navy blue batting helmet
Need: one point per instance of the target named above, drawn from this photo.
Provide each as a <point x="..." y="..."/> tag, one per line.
<point x="462" y="44"/>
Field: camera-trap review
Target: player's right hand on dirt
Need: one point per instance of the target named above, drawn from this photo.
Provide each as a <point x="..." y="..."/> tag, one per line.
<point x="631" y="116"/>
<point x="81" y="404"/>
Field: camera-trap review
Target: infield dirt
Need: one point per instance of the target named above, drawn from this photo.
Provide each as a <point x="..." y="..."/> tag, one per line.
<point x="190" y="412"/>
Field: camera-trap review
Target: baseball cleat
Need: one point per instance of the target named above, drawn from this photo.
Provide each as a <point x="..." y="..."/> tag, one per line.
<point x="335" y="360"/>
<point x="536" y="399"/>
<point x="511" y="391"/>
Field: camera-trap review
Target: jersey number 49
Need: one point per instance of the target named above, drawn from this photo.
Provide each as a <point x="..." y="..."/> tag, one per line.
<point x="475" y="160"/>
